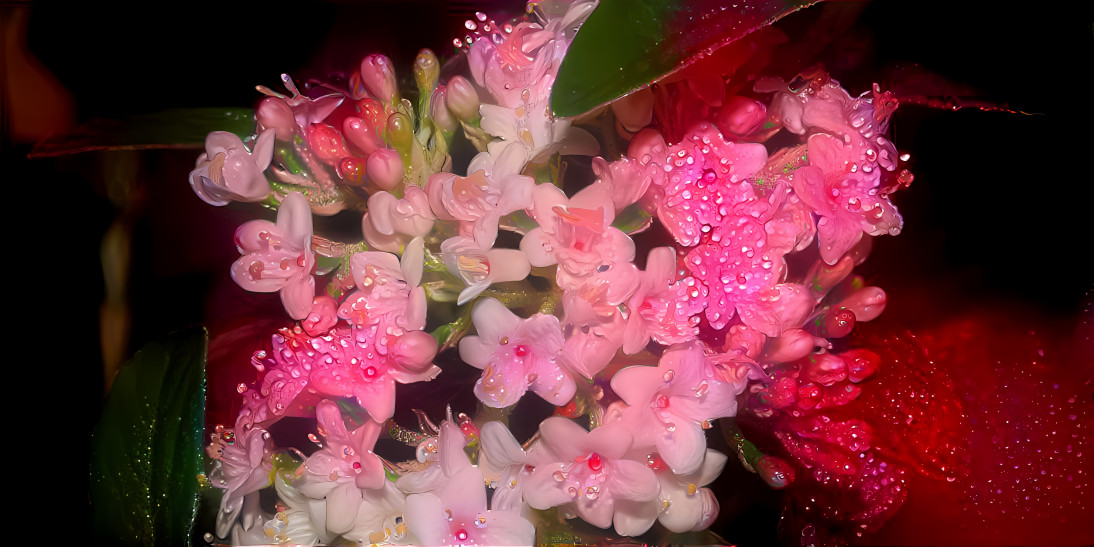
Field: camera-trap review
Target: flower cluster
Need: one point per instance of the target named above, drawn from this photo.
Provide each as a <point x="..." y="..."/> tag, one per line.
<point x="745" y="284"/>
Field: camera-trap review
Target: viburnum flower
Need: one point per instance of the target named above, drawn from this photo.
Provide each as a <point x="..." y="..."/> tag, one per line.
<point x="576" y="233"/>
<point x="244" y="468"/>
<point x="505" y="465"/>
<point x="344" y="470"/>
<point x="657" y="309"/>
<point x="391" y="222"/>
<point x="845" y="196"/>
<point x="388" y="289"/>
<point x="684" y="505"/>
<point x="480" y="267"/>
<point x="516" y="355"/>
<point x="227" y="171"/>
<point x="457" y="515"/>
<point x="669" y="403"/>
<point x="590" y="474"/>
<point x="297" y="518"/>
<point x="278" y="257"/>
<point x="593" y="324"/>
<point x="493" y="188"/>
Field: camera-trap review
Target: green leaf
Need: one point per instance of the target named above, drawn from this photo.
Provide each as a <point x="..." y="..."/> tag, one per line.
<point x="173" y="128"/>
<point x="147" y="446"/>
<point x="633" y="219"/>
<point x="626" y="45"/>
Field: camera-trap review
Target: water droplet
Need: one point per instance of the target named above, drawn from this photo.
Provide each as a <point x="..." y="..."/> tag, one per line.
<point x="592" y="492"/>
<point x="670" y="374"/>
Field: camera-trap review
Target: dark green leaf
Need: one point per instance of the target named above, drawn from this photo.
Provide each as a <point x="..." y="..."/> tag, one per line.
<point x="174" y="128"/>
<point x="147" y="446"/>
<point x="626" y="45"/>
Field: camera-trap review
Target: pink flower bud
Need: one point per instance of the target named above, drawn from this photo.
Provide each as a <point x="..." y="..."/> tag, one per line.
<point x="438" y="109"/>
<point x="740" y="116"/>
<point x="385" y="168"/>
<point x="463" y="101"/>
<point x="327" y="144"/>
<point x="379" y="78"/>
<point x="745" y="340"/>
<point x="867" y="303"/>
<point x="323" y="316"/>
<point x="273" y="113"/>
<point x="792" y="344"/>
<point x="648" y="145"/>
<point x="861" y="364"/>
<point x="352" y="170"/>
<point x="824" y="369"/>
<point x="634" y="111"/>
<point x="415" y="350"/>
<point x="361" y="134"/>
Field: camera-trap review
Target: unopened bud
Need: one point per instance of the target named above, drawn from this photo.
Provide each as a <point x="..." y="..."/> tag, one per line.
<point x="273" y="113"/>
<point x="384" y="168"/>
<point x="426" y="71"/>
<point x="438" y="110"/>
<point x="378" y="76"/>
<point x="463" y="100"/>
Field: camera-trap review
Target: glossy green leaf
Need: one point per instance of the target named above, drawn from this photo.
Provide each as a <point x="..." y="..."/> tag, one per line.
<point x="626" y="45"/>
<point x="147" y="446"/>
<point x="174" y="128"/>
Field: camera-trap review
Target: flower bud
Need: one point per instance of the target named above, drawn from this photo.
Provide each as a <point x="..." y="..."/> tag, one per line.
<point x="415" y="350"/>
<point x="438" y="110"/>
<point x="361" y="134"/>
<point x="823" y="368"/>
<point x="379" y="78"/>
<point x="792" y="344"/>
<point x="740" y="116"/>
<point x="426" y="71"/>
<point x="634" y="111"/>
<point x="463" y="100"/>
<point x="867" y="303"/>
<point x="385" y="168"/>
<point x="273" y="113"/>
<point x="327" y="144"/>
<point x="323" y="316"/>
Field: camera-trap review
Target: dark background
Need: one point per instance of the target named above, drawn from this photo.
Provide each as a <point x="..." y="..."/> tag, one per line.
<point x="999" y="214"/>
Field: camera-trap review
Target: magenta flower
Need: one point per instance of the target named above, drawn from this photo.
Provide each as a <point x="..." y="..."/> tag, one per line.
<point x="705" y="176"/>
<point x="342" y="468"/>
<point x="846" y="197"/>
<point x="590" y="474"/>
<point x="278" y="257"/>
<point x="516" y="355"/>
<point x="227" y="171"/>
<point x="677" y="395"/>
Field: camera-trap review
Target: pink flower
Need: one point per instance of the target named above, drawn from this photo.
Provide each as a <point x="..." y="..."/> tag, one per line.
<point x="516" y="355"/>
<point x="457" y="515"/>
<point x="677" y="395"/>
<point x="480" y="267"/>
<point x="227" y="171"/>
<point x="575" y="233"/>
<point x="388" y="290"/>
<point x="244" y="468"/>
<point x="390" y="222"/>
<point x="846" y="197"/>
<point x="479" y="200"/>
<point x="278" y="257"/>
<point x="705" y="177"/>
<point x="684" y="505"/>
<point x="593" y="325"/>
<point x="657" y="307"/>
<point x="342" y="468"/>
<point x="590" y="473"/>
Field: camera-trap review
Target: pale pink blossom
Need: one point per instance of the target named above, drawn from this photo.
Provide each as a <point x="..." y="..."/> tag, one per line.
<point x="227" y="171"/>
<point x="628" y="179"/>
<point x="575" y="233"/>
<point x="593" y="324"/>
<point x="390" y="222"/>
<point x="278" y="257"/>
<point x="492" y="190"/>
<point x="481" y="267"/>
<point x="243" y="468"/>
<point x="344" y="469"/>
<point x="516" y="355"/>
<point x="684" y="505"/>
<point x="672" y="400"/>
<point x="457" y="515"/>
<point x="590" y="474"/>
